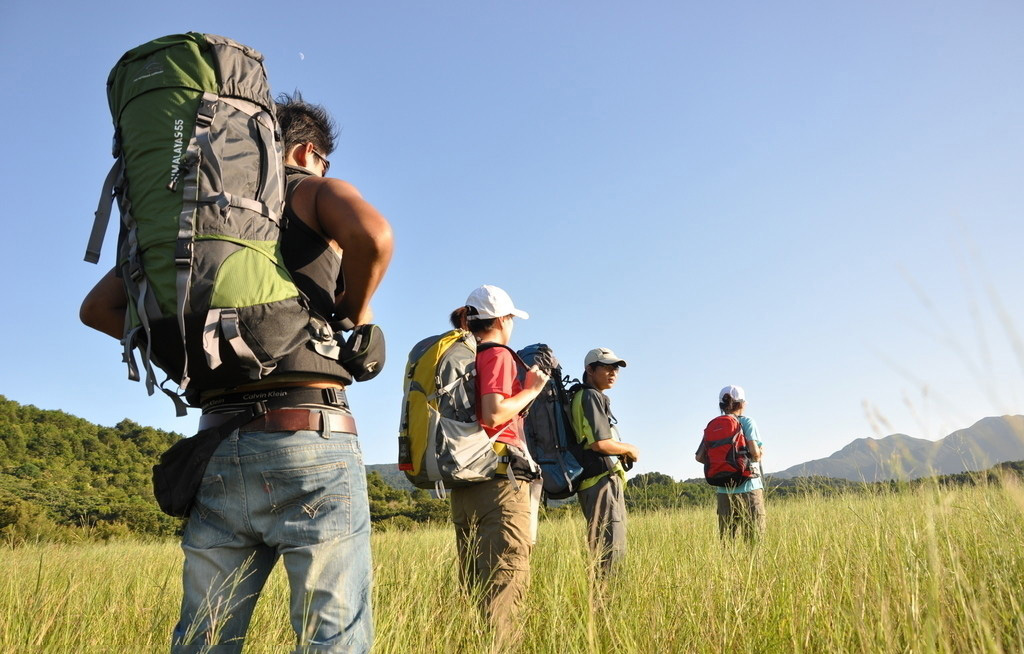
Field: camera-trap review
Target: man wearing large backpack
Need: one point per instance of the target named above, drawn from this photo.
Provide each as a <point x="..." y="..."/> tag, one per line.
<point x="290" y="484"/>
<point x="602" y="496"/>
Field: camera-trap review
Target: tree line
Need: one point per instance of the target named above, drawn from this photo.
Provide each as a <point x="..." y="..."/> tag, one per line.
<point x="65" y="479"/>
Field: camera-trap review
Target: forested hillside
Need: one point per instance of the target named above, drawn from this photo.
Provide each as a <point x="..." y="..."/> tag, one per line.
<point x="63" y="478"/>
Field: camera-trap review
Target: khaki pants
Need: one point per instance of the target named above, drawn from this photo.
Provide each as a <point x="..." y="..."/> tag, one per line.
<point x="604" y="507"/>
<point x="744" y="511"/>
<point x="492" y="532"/>
<point x="536" y="494"/>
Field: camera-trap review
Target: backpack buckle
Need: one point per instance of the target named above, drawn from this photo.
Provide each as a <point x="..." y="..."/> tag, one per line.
<point x="183" y="253"/>
<point x="135" y="272"/>
<point x="207" y="110"/>
<point x="332" y="397"/>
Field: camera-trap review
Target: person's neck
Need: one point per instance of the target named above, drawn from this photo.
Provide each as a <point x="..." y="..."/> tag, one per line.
<point x="498" y="336"/>
<point x="291" y="164"/>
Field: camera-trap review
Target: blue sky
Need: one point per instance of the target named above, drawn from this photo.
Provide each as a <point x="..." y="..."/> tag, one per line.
<point x="820" y="202"/>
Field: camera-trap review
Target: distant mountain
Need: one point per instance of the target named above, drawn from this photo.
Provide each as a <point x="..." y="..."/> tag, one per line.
<point x="391" y="475"/>
<point x="982" y="445"/>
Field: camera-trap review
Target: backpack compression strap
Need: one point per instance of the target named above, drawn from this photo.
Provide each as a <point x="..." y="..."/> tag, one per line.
<point x="112" y="185"/>
<point x="113" y="181"/>
<point x="471" y="372"/>
<point x="221" y="324"/>
<point x="186" y="228"/>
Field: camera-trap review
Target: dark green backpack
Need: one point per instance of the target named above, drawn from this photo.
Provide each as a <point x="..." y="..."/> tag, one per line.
<point x="199" y="182"/>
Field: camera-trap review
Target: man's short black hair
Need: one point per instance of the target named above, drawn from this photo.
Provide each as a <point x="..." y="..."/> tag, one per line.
<point x="302" y="122"/>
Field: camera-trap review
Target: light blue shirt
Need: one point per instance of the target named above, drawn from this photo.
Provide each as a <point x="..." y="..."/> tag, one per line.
<point x="750" y="433"/>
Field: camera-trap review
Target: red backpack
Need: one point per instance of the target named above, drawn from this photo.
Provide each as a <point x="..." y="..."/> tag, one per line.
<point x="725" y="456"/>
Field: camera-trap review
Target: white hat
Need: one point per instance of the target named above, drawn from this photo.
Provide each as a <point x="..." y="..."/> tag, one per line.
<point x="492" y="302"/>
<point x="603" y="355"/>
<point x="735" y="392"/>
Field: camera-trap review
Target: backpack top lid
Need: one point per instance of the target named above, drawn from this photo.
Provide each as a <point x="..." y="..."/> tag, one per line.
<point x="540" y="355"/>
<point x="206" y="63"/>
<point x="723" y="426"/>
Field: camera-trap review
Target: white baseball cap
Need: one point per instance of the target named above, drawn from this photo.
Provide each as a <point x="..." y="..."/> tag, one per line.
<point x="735" y="392"/>
<point x="493" y="302"/>
<point x="603" y="355"/>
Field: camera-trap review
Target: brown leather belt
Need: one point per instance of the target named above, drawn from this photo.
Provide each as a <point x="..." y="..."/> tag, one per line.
<point x="287" y="420"/>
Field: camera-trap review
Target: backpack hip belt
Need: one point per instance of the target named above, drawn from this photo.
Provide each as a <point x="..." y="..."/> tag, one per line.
<point x="278" y="398"/>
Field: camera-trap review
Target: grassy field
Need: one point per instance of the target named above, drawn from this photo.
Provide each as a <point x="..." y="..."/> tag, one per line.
<point x="933" y="570"/>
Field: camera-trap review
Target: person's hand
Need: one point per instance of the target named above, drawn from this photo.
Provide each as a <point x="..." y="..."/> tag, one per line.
<point x="536" y="378"/>
<point x="757" y="452"/>
<point x="632" y="453"/>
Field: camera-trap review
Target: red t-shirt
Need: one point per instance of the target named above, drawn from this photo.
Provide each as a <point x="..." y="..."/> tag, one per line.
<point x="498" y="372"/>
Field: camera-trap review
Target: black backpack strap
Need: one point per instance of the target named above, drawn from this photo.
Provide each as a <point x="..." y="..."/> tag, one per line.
<point x="593" y="463"/>
<point x="294" y="176"/>
<point x="515" y="356"/>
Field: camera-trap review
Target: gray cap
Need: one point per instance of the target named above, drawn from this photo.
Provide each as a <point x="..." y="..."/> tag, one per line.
<point x="603" y="355"/>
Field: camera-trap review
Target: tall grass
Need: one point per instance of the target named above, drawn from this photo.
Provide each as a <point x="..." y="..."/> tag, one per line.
<point x="934" y="570"/>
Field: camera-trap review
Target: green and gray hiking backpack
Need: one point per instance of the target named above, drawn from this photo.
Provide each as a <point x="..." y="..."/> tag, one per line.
<point x="199" y="182"/>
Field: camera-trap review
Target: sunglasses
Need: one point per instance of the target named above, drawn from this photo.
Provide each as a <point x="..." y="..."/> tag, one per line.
<point x="327" y="164"/>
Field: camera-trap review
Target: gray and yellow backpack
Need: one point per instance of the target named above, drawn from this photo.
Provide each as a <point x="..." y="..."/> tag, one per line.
<point x="198" y="178"/>
<point x="441" y="445"/>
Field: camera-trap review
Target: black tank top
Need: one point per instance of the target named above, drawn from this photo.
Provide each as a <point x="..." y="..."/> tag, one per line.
<point x="314" y="265"/>
<point x="316" y="269"/>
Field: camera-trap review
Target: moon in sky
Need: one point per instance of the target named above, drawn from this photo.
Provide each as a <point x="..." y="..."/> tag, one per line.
<point x="302" y="57"/>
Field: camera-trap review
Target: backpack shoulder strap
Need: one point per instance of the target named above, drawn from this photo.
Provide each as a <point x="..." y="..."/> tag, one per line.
<point x="739" y="426"/>
<point x="520" y="364"/>
<point x="515" y="356"/>
<point x="575" y="396"/>
<point x="293" y="177"/>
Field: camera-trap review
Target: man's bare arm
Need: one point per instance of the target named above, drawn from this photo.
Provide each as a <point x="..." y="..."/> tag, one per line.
<point x="365" y="238"/>
<point x="609" y="447"/>
<point x="105" y="305"/>
<point x="496" y="409"/>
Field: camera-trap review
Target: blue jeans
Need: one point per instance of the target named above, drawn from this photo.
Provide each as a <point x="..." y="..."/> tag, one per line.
<point x="299" y="496"/>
